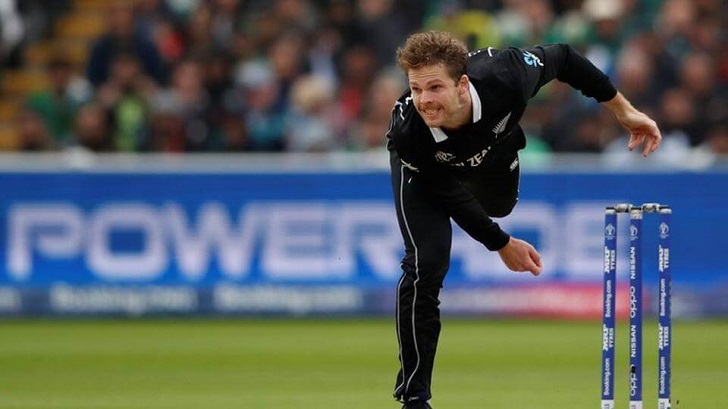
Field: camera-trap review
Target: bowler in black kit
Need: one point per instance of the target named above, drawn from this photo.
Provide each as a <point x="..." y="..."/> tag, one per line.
<point x="453" y="141"/>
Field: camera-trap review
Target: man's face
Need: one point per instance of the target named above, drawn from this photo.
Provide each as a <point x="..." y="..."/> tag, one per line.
<point x="438" y="98"/>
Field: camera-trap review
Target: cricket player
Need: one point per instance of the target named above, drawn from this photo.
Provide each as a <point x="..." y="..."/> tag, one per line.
<point x="453" y="141"/>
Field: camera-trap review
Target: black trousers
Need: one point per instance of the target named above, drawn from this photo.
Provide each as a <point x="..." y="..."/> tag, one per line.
<point x="427" y="233"/>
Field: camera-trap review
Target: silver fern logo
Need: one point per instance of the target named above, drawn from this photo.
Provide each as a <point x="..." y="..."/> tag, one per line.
<point x="501" y="125"/>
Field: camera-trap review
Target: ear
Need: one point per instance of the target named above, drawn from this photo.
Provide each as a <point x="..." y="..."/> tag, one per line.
<point x="463" y="84"/>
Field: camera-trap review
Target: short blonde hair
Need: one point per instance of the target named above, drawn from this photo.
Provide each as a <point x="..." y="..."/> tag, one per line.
<point x="433" y="48"/>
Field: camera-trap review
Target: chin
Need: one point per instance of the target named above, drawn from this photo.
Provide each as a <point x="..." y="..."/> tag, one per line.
<point x="432" y="123"/>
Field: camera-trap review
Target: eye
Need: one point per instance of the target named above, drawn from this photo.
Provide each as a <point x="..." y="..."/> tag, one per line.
<point x="436" y="87"/>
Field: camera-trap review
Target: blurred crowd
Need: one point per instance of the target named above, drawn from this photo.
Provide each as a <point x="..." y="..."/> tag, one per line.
<point x="320" y="75"/>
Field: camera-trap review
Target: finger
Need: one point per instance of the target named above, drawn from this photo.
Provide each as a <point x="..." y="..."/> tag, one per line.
<point x="649" y="148"/>
<point x="635" y="140"/>
<point x="533" y="263"/>
<point x="534" y="269"/>
<point x="657" y="140"/>
<point x="535" y="257"/>
<point x="652" y="144"/>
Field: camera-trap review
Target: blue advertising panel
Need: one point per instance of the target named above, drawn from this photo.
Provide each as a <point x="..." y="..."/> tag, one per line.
<point x="327" y="242"/>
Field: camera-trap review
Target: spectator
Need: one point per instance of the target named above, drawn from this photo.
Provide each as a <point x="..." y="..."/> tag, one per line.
<point x="698" y="76"/>
<point x="681" y="117"/>
<point x="261" y="29"/>
<point x="382" y="29"/>
<point x="340" y="16"/>
<point x="607" y="34"/>
<point x="265" y="124"/>
<point x="634" y="73"/>
<point x="296" y="15"/>
<point x="699" y="79"/>
<point x="57" y="105"/>
<point x="524" y="23"/>
<point x="366" y="134"/>
<point x="568" y="124"/>
<point x="165" y="127"/>
<point x="234" y="133"/>
<point x="266" y="83"/>
<point x="286" y="60"/>
<point x="92" y="131"/>
<point x="325" y="50"/>
<point x="226" y="19"/>
<point x="33" y="134"/>
<point x="717" y="138"/>
<point x="665" y="66"/>
<point x="121" y="38"/>
<point x="476" y="28"/>
<point x="156" y="22"/>
<point x="674" y="25"/>
<point x="193" y="105"/>
<point x="148" y="14"/>
<point x="707" y="35"/>
<point x="310" y="125"/>
<point x="199" y="34"/>
<point x="218" y="78"/>
<point x="639" y="15"/>
<point x="227" y="103"/>
<point x="126" y="96"/>
<point x="571" y="27"/>
<point x="357" y="71"/>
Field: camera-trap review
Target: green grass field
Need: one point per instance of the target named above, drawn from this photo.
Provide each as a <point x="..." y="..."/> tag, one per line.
<point x="274" y="364"/>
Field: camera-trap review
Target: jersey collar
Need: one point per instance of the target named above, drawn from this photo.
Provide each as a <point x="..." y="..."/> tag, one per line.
<point x="440" y="135"/>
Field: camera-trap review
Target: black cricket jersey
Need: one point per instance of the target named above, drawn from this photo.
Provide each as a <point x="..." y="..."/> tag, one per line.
<point x="501" y="83"/>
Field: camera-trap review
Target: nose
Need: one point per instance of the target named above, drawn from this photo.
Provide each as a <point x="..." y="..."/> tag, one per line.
<point x="425" y="97"/>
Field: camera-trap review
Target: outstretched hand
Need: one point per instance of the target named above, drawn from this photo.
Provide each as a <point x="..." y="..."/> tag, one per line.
<point x="642" y="130"/>
<point x="519" y="255"/>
